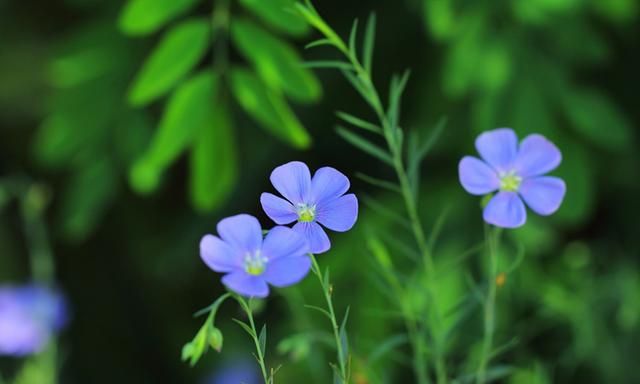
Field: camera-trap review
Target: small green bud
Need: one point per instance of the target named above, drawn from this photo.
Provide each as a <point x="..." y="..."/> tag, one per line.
<point x="215" y="338"/>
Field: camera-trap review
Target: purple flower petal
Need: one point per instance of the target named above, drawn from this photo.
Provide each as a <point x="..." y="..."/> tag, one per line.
<point x="241" y="232"/>
<point x="246" y="285"/>
<point x="543" y="194"/>
<point x="284" y="242"/>
<point x="218" y="255"/>
<point x="506" y="210"/>
<point x="328" y="184"/>
<point x="339" y="214"/>
<point x="293" y="181"/>
<point x="314" y="234"/>
<point x="477" y="177"/>
<point x="279" y="210"/>
<point x="537" y="156"/>
<point x="287" y="271"/>
<point x="498" y="148"/>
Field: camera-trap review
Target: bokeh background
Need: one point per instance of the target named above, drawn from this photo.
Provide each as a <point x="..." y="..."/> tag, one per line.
<point x="140" y="124"/>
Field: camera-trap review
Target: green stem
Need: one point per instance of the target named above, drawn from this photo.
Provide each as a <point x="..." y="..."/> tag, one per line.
<point x="491" y="237"/>
<point x="409" y="198"/>
<point x="256" y="341"/>
<point x="326" y="289"/>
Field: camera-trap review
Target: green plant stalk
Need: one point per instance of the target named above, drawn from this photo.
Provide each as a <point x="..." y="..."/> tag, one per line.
<point x="256" y="341"/>
<point x="326" y="290"/>
<point x="396" y="151"/>
<point x="492" y="237"/>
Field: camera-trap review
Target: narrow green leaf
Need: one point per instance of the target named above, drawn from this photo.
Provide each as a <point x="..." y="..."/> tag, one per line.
<point x="331" y="64"/>
<point x="186" y="111"/>
<point x="396" y="89"/>
<point x="213" y="160"/>
<point x="321" y="310"/>
<point x="245" y="326"/>
<point x="386" y="212"/>
<point x="276" y="13"/>
<point x="353" y="36"/>
<point x="358" y="122"/>
<point x="365" y="145"/>
<point x="142" y="17"/>
<point x="268" y="108"/>
<point x="386" y="347"/>
<point x="418" y="150"/>
<point x="318" y="43"/>
<point x="275" y="61"/>
<point x="369" y="42"/>
<point x="388" y="185"/>
<point x="262" y="339"/>
<point x="181" y="48"/>
<point x="344" y="339"/>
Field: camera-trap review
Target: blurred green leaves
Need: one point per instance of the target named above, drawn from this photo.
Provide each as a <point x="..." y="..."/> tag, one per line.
<point x="142" y="17"/>
<point x="175" y="56"/>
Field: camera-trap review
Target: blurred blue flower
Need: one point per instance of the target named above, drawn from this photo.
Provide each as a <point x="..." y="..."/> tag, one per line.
<point x="29" y="316"/>
<point x="239" y="372"/>
<point x="311" y="201"/>
<point x="249" y="261"/>
<point x="516" y="172"/>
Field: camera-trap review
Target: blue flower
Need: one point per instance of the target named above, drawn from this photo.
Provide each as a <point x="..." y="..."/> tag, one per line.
<point x="310" y="201"/>
<point x="516" y="172"/>
<point x="249" y="261"/>
<point x="238" y="372"/>
<point x="29" y="316"/>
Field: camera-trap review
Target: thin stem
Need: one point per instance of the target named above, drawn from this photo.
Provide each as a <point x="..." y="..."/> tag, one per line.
<point x="256" y="341"/>
<point x="491" y="238"/>
<point x="327" y="291"/>
<point x="395" y="148"/>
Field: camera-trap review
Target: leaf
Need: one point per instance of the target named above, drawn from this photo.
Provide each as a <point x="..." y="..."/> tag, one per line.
<point x="321" y="310"/>
<point x="344" y="340"/>
<point x="331" y="64"/>
<point x="87" y="197"/>
<point x="385" y="347"/>
<point x="142" y="17"/>
<point x="358" y="122"/>
<point x="277" y="14"/>
<point x="353" y="35"/>
<point x="187" y="110"/>
<point x="262" y="339"/>
<point x="318" y="43"/>
<point x="369" y="42"/>
<point x="418" y="150"/>
<point x="181" y="48"/>
<point x="245" y="326"/>
<point x="268" y="108"/>
<point x="598" y="119"/>
<point x="365" y="145"/>
<point x="213" y="160"/>
<point x="396" y="89"/>
<point x="388" y="185"/>
<point x="275" y="61"/>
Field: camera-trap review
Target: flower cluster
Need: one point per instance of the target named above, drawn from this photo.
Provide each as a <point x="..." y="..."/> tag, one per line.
<point x="516" y="172"/>
<point x="250" y="262"/>
<point x="29" y="316"/>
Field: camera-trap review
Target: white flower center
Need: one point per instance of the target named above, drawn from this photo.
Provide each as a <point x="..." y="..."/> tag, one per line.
<point x="306" y="213"/>
<point x="255" y="263"/>
<point x="510" y="181"/>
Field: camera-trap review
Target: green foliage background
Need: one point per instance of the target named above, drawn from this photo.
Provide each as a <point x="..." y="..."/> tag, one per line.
<point x="147" y="121"/>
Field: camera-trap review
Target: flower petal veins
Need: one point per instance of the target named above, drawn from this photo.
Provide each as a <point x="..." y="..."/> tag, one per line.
<point x="314" y="234"/>
<point x="477" y="177"/>
<point x="498" y="147"/>
<point x="328" y="184"/>
<point x="543" y="194"/>
<point x="242" y="232"/>
<point x="245" y="284"/>
<point x="293" y="181"/>
<point x="278" y="209"/>
<point x="339" y="214"/>
<point x="506" y="210"/>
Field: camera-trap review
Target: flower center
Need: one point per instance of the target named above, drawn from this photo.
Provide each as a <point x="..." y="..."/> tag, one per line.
<point x="306" y="213"/>
<point x="255" y="263"/>
<point x="510" y="181"/>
